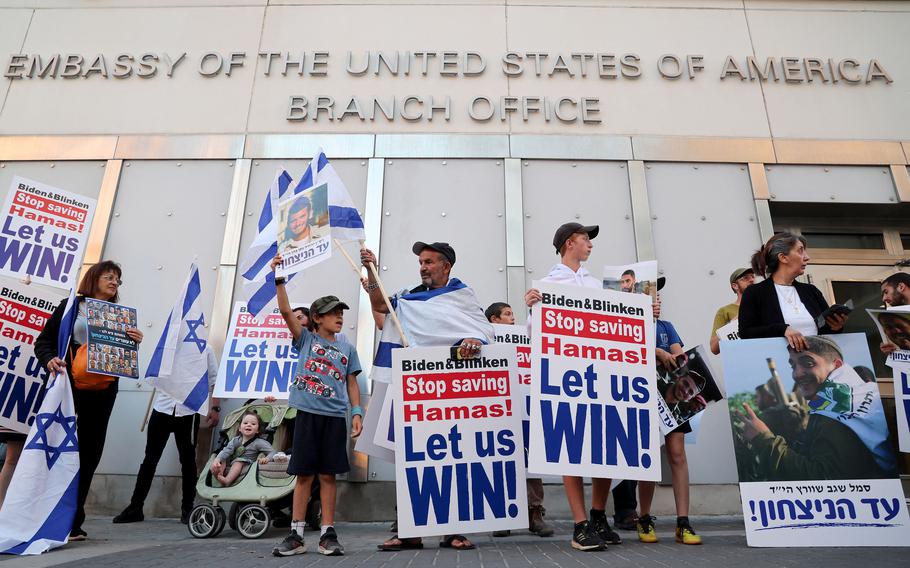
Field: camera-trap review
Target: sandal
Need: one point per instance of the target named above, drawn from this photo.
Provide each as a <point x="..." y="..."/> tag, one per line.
<point x="396" y="544"/>
<point x="449" y="542"/>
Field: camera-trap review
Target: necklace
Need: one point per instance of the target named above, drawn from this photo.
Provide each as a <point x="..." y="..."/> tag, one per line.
<point x="790" y="297"/>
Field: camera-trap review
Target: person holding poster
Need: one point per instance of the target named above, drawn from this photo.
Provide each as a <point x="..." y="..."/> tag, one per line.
<point x="441" y="311"/>
<point x="324" y="385"/>
<point x="670" y="356"/>
<point x="572" y="242"/>
<point x="780" y="306"/>
<point x="93" y="395"/>
<point x="502" y="317"/>
<point x="741" y="279"/>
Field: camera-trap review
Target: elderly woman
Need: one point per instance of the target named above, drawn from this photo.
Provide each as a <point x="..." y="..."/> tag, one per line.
<point x="93" y="395"/>
<point x="780" y="306"/>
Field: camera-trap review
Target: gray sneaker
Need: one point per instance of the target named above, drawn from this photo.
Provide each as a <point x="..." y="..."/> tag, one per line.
<point x="329" y="545"/>
<point x="291" y="545"/>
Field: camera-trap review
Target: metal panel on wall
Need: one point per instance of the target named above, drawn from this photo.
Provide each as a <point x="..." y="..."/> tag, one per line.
<point x="167" y="215"/>
<point x="79" y="177"/>
<point x="831" y="184"/>
<point x="591" y="193"/>
<point x="461" y="202"/>
<point x="704" y="226"/>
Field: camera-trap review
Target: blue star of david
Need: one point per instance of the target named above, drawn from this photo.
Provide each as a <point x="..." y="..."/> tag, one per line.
<point x="191" y="337"/>
<point x="44" y="422"/>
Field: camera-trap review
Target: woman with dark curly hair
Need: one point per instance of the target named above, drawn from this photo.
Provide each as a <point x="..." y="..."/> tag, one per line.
<point x="93" y="394"/>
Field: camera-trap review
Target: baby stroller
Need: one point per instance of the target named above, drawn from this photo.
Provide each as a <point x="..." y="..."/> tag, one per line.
<point x="261" y="491"/>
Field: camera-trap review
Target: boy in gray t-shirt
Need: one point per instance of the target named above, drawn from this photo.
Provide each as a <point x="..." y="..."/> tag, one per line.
<point x="324" y="384"/>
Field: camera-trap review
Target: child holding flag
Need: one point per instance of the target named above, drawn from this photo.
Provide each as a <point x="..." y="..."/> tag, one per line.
<point x="324" y="382"/>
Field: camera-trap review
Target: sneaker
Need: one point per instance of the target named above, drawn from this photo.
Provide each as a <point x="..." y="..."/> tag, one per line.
<point x="329" y="545"/>
<point x="585" y="538"/>
<point x="184" y="516"/>
<point x="646" y="532"/>
<point x="627" y="523"/>
<point x="685" y="534"/>
<point x="536" y="524"/>
<point x="291" y="545"/>
<point x="129" y="515"/>
<point x="601" y="526"/>
<point x="77" y="534"/>
<point x="500" y="534"/>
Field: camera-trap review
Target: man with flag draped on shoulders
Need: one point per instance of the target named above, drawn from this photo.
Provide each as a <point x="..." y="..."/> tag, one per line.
<point x="441" y="311"/>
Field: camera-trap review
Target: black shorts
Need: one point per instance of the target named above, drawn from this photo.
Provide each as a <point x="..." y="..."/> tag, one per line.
<point x="685" y="428"/>
<point x="320" y="445"/>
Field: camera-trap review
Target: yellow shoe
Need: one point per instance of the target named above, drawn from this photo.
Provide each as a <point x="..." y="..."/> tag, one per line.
<point x="646" y="532"/>
<point x="685" y="535"/>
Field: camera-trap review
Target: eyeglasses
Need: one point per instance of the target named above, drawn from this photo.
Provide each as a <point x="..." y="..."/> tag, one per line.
<point x="112" y="278"/>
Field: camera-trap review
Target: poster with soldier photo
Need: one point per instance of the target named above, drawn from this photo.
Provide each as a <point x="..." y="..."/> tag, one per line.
<point x="110" y="350"/>
<point x="894" y="327"/>
<point x="815" y="462"/>
<point x="687" y="390"/>
<point x="304" y="235"/>
<point x="639" y="278"/>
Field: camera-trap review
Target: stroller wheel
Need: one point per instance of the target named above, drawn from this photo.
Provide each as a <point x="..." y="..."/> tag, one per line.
<point x="253" y="521"/>
<point x="204" y="521"/>
<point x="232" y="515"/>
<point x="222" y="520"/>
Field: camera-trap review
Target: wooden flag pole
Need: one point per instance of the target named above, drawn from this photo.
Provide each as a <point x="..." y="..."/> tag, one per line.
<point x="148" y="410"/>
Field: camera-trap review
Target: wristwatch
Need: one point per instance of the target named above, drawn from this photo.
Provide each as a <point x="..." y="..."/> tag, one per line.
<point x="216" y="408"/>
<point x="280" y="280"/>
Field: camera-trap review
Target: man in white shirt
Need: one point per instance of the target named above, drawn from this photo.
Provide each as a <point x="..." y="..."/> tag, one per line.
<point x="170" y="417"/>
<point x="572" y="242"/>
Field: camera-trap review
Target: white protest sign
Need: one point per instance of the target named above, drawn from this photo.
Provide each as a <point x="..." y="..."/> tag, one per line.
<point x="729" y="332"/>
<point x="44" y="232"/>
<point x="894" y="326"/>
<point x="384" y="436"/>
<point x="848" y="512"/>
<point x="365" y="443"/>
<point x="304" y="234"/>
<point x="902" y="405"/>
<point x="258" y="357"/>
<point x="594" y="405"/>
<point x="23" y="312"/>
<point x="458" y="461"/>
<point x="517" y="337"/>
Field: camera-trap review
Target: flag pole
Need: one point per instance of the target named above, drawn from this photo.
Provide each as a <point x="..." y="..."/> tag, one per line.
<point x="148" y="410"/>
<point x="354" y="265"/>
<point x="385" y="296"/>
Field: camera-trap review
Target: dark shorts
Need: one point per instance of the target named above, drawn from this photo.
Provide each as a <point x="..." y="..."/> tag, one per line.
<point x="12" y="437"/>
<point x="320" y="445"/>
<point x="685" y="428"/>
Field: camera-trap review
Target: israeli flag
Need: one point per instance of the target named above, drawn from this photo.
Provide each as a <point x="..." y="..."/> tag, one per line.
<point x="443" y="316"/>
<point x="40" y="504"/>
<point x="179" y="366"/>
<point x="345" y="221"/>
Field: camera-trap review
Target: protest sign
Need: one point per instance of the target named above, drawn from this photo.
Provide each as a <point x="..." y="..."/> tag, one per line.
<point x="110" y="350"/>
<point x="894" y="327"/>
<point x="902" y="405"/>
<point x="365" y="443"/>
<point x="458" y="463"/>
<point x="24" y="309"/>
<point x="729" y="332"/>
<point x="517" y="337"/>
<point x="384" y="436"/>
<point x="639" y="278"/>
<point x="814" y="460"/>
<point x="686" y="391"/>
<point x="594" y="403"/>
<point x="304" y="234"/>
<point x="44" y="233"/>
<point x="258" y="358"/>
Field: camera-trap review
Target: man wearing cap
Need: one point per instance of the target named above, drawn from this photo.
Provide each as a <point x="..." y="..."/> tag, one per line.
<point x="846" y="436"/>
<point x="572" y="242"/>
<point x="440" y="311"/>
<point x="741" y="279"/>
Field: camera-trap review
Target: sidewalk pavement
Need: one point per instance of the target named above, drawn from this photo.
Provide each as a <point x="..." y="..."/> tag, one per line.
<point x="158" y="543"/>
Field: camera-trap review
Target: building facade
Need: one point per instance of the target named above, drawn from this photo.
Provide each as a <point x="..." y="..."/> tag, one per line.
<point x="689" y="131"/>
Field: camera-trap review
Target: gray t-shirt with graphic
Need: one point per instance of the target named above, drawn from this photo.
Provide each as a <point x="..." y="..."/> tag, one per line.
<point x="320" y="380"/>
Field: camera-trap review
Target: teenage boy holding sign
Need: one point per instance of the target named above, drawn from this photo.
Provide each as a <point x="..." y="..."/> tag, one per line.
<point x="572" y="242"/>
